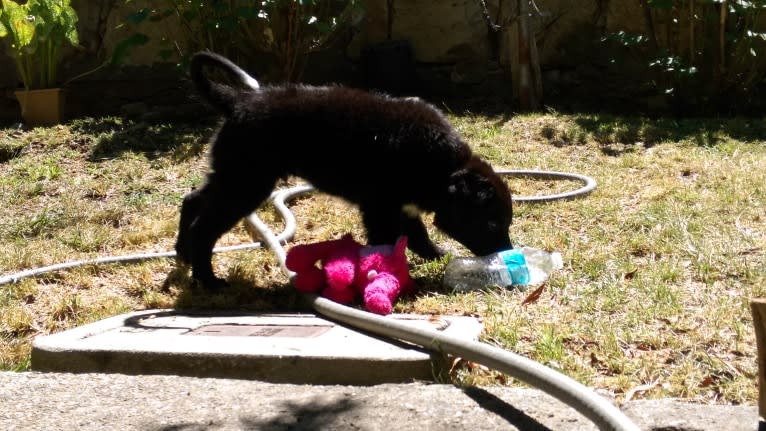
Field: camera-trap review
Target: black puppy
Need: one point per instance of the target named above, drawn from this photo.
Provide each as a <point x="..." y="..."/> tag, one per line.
<point x="387" y="155"/>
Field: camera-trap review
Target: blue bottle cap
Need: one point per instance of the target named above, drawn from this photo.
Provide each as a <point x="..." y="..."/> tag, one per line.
<point x="517" y="266"/>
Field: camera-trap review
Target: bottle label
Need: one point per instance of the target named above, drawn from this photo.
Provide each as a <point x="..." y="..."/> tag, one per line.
<point x="516" y="264"/>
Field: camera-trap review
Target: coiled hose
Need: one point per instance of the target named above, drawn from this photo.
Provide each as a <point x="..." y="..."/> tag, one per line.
<point x="604" y="414"/>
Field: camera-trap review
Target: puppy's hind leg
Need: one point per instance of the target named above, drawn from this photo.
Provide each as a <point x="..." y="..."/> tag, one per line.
<point x="224" y="203"/>
<point x="190" y="209"/>
<point x="381" y="222"/>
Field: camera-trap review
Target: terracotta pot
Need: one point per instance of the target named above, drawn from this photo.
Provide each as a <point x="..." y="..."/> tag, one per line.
<point x="41" y="107"/>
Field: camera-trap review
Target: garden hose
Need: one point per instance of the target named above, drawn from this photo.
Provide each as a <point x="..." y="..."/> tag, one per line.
<point x="589" y="184"/>
<point x="604" y="414"/>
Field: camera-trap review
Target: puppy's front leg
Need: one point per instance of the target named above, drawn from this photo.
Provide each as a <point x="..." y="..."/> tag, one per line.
<point x="385" y="223"/>
<point x="418" y="239"/>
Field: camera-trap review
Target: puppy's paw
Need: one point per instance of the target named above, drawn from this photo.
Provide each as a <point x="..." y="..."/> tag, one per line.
<point x="181" y="263"/>
<point x="448" y="249"/>
<point x="432" y="253"/>
<point x="211" y="283"/>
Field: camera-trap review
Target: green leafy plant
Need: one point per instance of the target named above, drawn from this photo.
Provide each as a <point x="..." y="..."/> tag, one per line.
<point x="297" y="27"/>
<point x="701" y="51"/>
<point x="35" y="33"/>
<point x="239" y="29"/>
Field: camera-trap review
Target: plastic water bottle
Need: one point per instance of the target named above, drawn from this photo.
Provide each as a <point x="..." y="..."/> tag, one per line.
<point x="515" y="267"/>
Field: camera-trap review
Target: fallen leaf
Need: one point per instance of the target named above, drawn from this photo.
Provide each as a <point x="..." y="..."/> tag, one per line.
<point x="645" y="347"/>
<point x="629" y="275"/>
<point x="641" y="388"/>
<point x="732" y="369"/>
<point x="707" y="381"/>
<point x="439" y="322"/>
<point x="595" y="362"/>
<point x="477" y="366"/>
<point x="455" y="363"/>
<point x="749" y="251"/>
<point x="534" y="296"/>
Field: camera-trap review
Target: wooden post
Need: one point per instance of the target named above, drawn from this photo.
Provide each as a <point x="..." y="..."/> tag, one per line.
<point x="525" y="76"/>
<point x="512" y="37"/>
<point x="524" y="60"/>
<point x="758" y="309"/>
<point x="380" y="28"/>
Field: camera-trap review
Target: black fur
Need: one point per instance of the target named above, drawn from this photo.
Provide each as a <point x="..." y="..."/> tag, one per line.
<point x="378" y="152"/>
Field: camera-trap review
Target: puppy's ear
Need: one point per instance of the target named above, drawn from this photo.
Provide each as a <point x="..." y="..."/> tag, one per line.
<point x="470" y="187"/>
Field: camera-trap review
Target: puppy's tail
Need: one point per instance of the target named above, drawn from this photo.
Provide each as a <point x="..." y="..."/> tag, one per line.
<point x="220" y="95"/>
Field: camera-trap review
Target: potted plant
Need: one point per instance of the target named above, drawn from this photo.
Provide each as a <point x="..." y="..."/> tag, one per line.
<point x="35" y="32"/>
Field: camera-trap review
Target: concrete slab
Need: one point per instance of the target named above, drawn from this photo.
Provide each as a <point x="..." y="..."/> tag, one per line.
<point x="286" y="348"/>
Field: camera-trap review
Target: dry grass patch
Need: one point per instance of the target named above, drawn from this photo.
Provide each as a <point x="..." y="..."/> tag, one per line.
<point x="660" y="260"/>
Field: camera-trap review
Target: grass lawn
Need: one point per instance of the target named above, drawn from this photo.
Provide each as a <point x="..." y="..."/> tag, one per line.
<point x="660" y="260"/>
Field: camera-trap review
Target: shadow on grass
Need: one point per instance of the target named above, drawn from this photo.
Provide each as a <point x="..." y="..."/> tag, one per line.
<point x="239" y="294"/>
<point x="115" y="136"/>
<point x="617" y="135"/>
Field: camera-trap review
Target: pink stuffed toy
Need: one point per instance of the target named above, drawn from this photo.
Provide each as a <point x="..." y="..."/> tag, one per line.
<point x="379" y="274"/>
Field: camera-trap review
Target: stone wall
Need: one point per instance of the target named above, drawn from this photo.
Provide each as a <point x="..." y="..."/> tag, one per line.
<point x="439" y="31"/>
<point x="449" y="51"/>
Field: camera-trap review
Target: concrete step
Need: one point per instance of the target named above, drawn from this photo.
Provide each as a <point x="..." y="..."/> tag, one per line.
<point x="285" y="348"/>
<point x="84" y="402"/>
